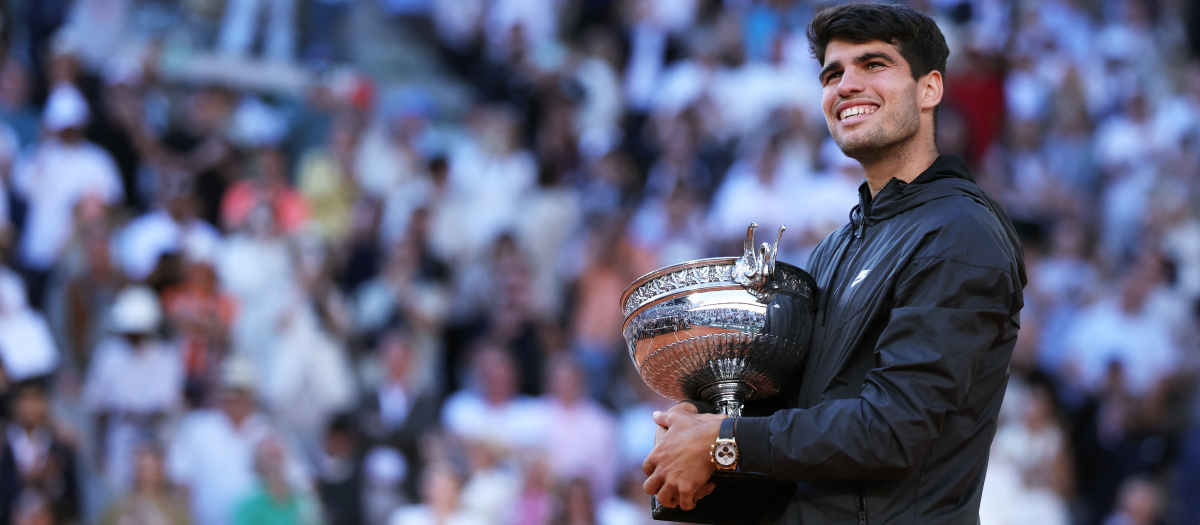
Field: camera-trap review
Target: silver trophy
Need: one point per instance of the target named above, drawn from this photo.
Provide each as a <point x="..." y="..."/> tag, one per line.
<point x="725" y="330"/>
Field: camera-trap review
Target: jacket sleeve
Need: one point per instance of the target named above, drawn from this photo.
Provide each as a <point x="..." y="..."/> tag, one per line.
<point x="946" y="316"/>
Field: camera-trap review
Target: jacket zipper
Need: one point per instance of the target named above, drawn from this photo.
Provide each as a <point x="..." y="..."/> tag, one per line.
<point x="862" y="508"/>
<point x="859" y="234"/>
<point x="827" y="298"/>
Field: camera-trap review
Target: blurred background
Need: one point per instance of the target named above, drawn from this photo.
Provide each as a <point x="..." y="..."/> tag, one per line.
<point x="359" y="261"/>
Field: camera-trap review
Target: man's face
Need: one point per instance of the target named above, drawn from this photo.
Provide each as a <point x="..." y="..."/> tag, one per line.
<point x="870" y="99"/>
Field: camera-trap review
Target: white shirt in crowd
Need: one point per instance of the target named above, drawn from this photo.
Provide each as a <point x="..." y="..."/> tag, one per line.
<point x="146" y="238"/>
<point x="27" y="347"/>
<point x="1141" y="343"/>
<point x="774" y="203"/>
<point x="128" y="382"/>
<point x="122" y="378"/>
<point x="521" y="422"/>
<point x="423" y="515"/>
<point x="53" y="180"/>
<point x="215" y="461"/>
<point x="309" y="378"/>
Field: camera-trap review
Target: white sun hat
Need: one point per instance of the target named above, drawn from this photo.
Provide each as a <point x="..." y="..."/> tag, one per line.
<point x="136" y="311"/>
<point x="65" y="108"/>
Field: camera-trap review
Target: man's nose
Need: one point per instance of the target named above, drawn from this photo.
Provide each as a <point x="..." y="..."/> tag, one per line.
<point x="850" y="83"/>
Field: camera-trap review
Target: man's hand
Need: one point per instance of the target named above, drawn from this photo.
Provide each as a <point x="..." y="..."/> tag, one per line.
<point x="679" y="466"/>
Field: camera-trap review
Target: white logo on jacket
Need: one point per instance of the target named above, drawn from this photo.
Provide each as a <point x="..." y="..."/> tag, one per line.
<point x="861" y="275"/>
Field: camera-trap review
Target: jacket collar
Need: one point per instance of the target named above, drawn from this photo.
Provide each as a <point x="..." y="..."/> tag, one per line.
<point x="948" y="175"/>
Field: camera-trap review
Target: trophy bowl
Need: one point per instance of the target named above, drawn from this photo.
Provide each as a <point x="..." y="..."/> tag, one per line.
<point x="724" y="330"/>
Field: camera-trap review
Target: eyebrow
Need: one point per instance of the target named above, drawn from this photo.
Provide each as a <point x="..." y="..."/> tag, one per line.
<point x="857" y="60"/>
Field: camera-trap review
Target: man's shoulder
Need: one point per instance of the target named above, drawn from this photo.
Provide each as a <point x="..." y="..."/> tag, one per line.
<point x="964" y="229"/>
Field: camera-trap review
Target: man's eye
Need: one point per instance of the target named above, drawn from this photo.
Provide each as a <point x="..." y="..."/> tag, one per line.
<point x="873" y="65"/>
<point x="832" y="76"/>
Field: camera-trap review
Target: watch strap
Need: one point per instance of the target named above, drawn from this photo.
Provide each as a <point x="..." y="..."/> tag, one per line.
<point x="726" y="428"/>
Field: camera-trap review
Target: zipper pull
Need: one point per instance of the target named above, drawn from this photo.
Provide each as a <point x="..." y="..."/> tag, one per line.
<point x="862" y="509"/>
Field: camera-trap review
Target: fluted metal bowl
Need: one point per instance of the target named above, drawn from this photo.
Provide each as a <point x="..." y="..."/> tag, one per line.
<point x="713" y="330"/>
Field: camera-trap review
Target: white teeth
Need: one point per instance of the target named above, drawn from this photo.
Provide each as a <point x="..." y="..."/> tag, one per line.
<point x="855" y="111"/>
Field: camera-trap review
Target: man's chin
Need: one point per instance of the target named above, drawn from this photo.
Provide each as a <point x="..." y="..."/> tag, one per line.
<point x="857" y="149"/>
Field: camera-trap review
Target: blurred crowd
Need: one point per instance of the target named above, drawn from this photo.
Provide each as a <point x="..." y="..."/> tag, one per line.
<point x="364" y="303"/>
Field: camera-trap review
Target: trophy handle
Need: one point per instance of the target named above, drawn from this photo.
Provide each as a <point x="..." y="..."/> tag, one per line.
<point x="756" y="271"/>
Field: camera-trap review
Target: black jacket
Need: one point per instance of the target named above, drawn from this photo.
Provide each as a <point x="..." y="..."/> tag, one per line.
<point x="918" y="315"/>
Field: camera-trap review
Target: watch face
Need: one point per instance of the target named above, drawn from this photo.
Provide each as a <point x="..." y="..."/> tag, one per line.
<point x="725" y="454"/>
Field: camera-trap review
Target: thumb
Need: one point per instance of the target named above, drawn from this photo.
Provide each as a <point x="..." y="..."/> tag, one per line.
<point x="662" y="418"/>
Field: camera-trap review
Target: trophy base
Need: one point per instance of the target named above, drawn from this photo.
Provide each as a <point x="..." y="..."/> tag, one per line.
<point x="740" y="498"/>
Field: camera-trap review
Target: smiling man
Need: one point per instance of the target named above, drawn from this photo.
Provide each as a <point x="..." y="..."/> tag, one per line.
<point x="918" y="314"/>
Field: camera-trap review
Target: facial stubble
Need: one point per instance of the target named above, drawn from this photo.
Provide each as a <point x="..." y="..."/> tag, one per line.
<point x="887" y="139"/>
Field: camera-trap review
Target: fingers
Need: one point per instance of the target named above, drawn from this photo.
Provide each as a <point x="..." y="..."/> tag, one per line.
<point x="648" y="466"/>
<point x="662" y="418"/>
<point x="687" y="500"/>
<point x="668" y="496"/>
<point x="653" y="485"/>
<point x="684" y="407"/>
<point x="705" y="490"/>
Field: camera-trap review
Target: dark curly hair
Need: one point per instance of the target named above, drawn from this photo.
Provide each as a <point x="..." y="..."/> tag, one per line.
<point x="916" y="35"/>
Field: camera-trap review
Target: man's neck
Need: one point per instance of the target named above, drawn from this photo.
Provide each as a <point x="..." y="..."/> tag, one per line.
<point x="905" y="165"/>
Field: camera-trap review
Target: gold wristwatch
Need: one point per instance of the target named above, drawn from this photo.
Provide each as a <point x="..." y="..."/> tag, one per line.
<point x="725" y="450"/>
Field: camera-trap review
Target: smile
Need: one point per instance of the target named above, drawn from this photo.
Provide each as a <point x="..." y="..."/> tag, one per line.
<point x="854" y="111"/>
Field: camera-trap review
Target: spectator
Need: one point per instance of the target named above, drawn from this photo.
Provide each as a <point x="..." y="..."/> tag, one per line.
<point x="1127" y="331"/>
<point x="33" y="508"/>
<point x="37" y="459"/>
<point x="576" y="507"/>
<point x="583" y="433"/>
<point x="535" y="505"/>
<point x="411" y="288"/>
<point x="326" y="179"/>
<point x="1139" y="503"/>
<point x="340" y="475"/>
<point x="134" y="384"/>
<point x="628" y="507"/>
<point x="240" y="24"/>
<point x="169" y="229"/>
<point x="151" y="499"/>
<point x="595" y="333"/>
<point x="256" y="269"/>
<point x="1031" y="462"/>
<point x="275" y="500"/>
<point x="441" y="489"/>
<point x="494" y="483"/>
<point x="201" y="314"/>
<point x="267" y="186"/>
<point x="15" y="107"/>
<point x="384" y="473"/>
<point x="765" y="181"/>
<point x="64" y="170"/>
<point x="88" y="279"/>
<point x="27" y="348"/>
<point x="491" y="409"/>
<point x="309" y="378"/>
<point x="212" y="453"/>
<point x="398" y="413"/>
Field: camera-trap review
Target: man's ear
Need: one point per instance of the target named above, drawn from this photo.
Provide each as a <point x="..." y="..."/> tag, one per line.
<point x="931" y="89"/>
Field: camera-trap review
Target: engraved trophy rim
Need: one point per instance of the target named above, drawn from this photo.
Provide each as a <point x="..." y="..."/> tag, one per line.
<point x="727" y="282"/>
